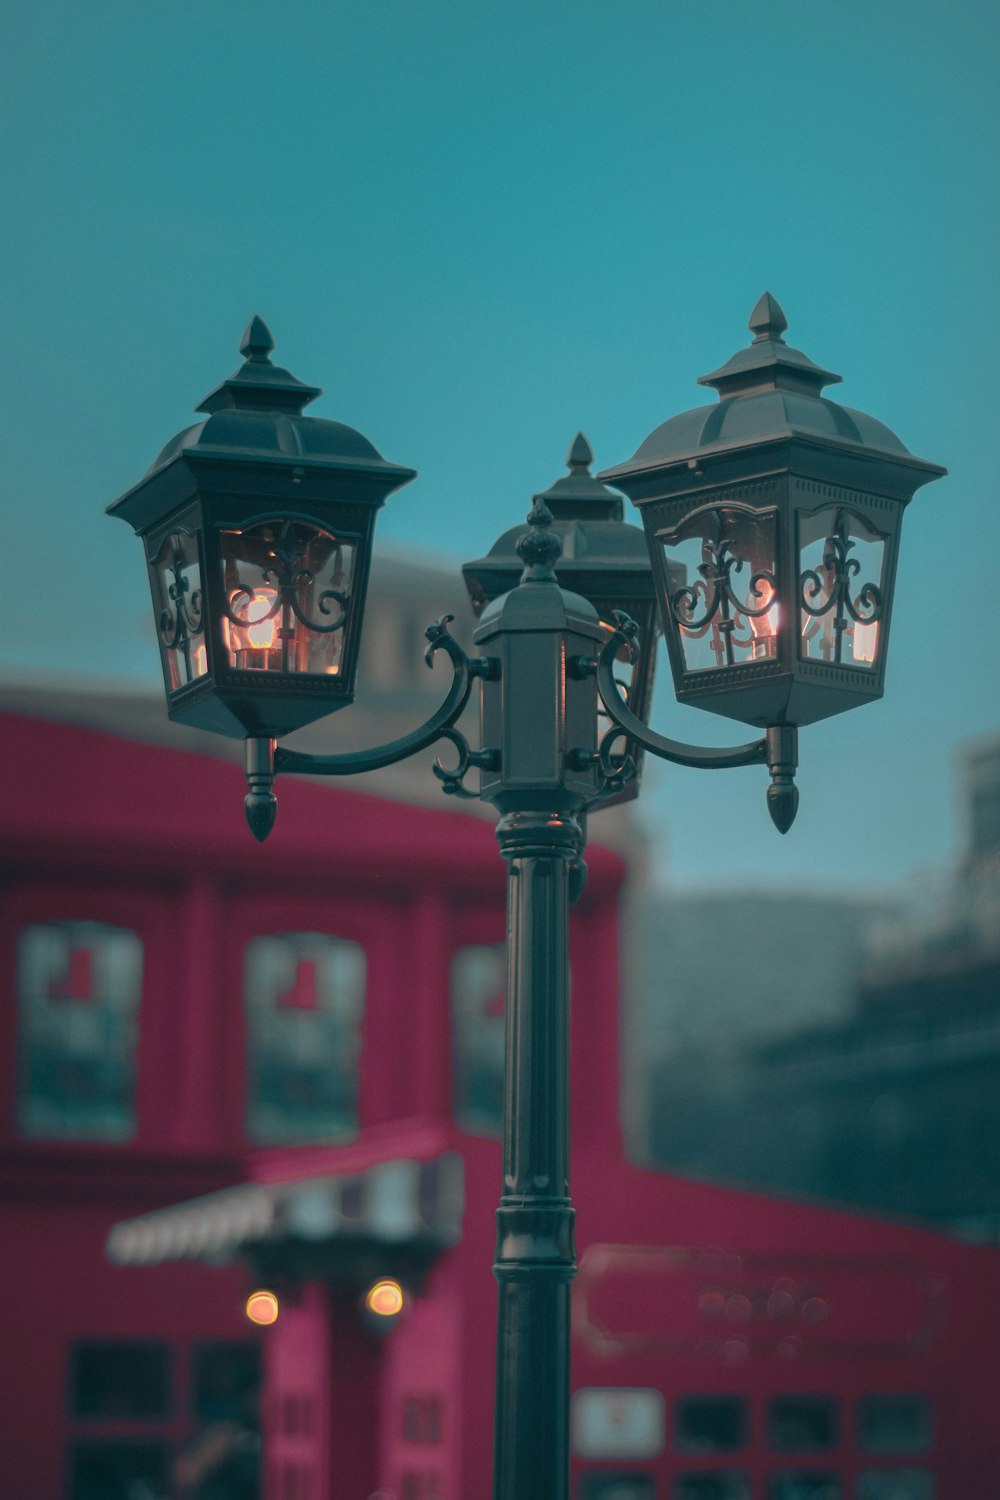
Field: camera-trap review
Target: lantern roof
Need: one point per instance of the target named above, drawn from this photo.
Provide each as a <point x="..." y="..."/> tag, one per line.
<point x="767" y="391"/>
<point x="257" y="413"/>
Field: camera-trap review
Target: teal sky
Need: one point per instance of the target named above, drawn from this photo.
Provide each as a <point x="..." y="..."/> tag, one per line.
<point x="481" y="226"/>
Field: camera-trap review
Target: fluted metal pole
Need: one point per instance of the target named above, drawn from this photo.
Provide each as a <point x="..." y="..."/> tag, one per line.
<point x="535" y="1257"/>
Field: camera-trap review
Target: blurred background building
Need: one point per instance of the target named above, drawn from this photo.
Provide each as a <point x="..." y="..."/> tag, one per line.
<point x="864" y="1068"/>
<point x="231" y="1067"/>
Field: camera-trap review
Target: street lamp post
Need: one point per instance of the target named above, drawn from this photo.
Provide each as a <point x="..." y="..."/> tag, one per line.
<point x="771" y="526"/>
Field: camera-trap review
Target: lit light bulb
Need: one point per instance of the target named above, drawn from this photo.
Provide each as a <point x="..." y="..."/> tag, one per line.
<point x="865" y="642"/>
<point x="385" y="1298"/>
<point x="262" y="1307"/>
<point x="260" y="623"/>
<point x="765" y="626"/>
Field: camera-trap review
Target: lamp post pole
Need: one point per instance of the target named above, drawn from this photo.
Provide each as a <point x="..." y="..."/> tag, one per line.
<point x="535" y="1256"/>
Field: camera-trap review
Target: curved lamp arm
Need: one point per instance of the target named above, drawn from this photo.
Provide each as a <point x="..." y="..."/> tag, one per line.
<point x="778" y="748"/>
<point x="264" y="761"/>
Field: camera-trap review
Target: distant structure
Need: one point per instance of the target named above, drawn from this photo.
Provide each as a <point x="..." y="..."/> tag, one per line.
<point x="895" y="1105"/>
<point x="717" y="975"/>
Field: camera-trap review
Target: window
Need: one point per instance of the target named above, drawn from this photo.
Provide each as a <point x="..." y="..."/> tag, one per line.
<point x="894" y="1424"/>
<point x="618" y="1485"/>
<point x="422" y="1419"/>
<point x="711" y="1484"/>
<point x="711" y="1424"/>
<point x="802" y="1424"/>
<point x="226" y="1383"/>
<point x="121" y="1470"/>
<point x="895" y="1484"/>
<point x="123" y="1382"/>
<point x="304" y="1005"/>
<point x="79" y="986"/>
<point x="804" y="1484"/>
<point x="478" y="977"/>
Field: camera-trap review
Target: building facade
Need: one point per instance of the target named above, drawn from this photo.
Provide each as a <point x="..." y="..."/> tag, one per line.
<point x="232" y="1067"/>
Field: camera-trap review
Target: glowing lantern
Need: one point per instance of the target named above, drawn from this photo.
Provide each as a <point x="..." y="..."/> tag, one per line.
<point x="258" y="526"/>
<point x="784" y="511"/>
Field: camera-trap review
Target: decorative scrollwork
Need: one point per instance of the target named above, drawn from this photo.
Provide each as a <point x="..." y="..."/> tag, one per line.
<point x="826" y="590"/>
<point x="724" y="611"/>
<point x="452" y="780"/>
<point x="626" y="634"/>
<point x="183" y="618"/>
<point x="440" y="726"/>
<point x="287" y="574"/>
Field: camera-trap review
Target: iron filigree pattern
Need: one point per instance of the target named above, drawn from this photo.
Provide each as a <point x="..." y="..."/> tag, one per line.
<point x="722" y="609"/>
<point x="183" y="618"/>
<point x="826" y="590"/>
<point x="288" y="572"/>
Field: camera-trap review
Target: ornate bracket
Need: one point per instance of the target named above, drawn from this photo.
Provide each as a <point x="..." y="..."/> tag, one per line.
<point x="777" y="749"/>
<point x="264" y="761"/>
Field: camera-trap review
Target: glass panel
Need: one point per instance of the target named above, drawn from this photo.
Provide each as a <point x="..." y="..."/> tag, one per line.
<point x="304" y="1005"/>
<point x="118" y="1471"/>
<point x="726" y="612"/>
<point x="622" y="1485"/>
<point x="478" y="983"/>
<point x="288" y="588"/>
<point x="180" y="620"/>
<point x="895" y="1484"/>
<point x="798" y="1424"/>
<point x="121" y="1382"/>
<point x="711" y="1484"/>
<point x="841" y="561"/>
<point x="894" y="1424"/>
<point x="79" y="988"/>
<point x="804" y="1484"/>
<point x="711" y="1424"/>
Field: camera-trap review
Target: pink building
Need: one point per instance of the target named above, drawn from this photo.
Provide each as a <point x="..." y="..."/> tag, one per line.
<point x="232" y="1066"/>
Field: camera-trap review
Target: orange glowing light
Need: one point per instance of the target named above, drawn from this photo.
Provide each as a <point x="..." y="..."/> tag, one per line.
<point x="865" y="642"/>
<point x="765" y="626"/>
<point x="262" y="1307"/>
<point x="200" y="661"/>
<point x="260" y="623"/>
<point x="385" y="1298"/>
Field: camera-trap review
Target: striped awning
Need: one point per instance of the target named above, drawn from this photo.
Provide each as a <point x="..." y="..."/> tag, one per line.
<point x="402" y="1202"/>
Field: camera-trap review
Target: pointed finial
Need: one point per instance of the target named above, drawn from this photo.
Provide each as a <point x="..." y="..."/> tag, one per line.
<point x="580" y="455"/>
<point x="767" y="321"/>
<point x="257" y="342"/>
<point x="539" y="549"/>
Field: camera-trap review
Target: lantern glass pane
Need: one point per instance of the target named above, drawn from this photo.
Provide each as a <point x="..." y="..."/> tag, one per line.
<point x="288" y="591"/>
<point x="180" y="618"/>
<point x="841" y="588"/>
<point x="726" y="613"/>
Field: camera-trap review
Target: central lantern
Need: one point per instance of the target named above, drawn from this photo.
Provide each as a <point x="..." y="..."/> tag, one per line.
<point x="783" y="509"/>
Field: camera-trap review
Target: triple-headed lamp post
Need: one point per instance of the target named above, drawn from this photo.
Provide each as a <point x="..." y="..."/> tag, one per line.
<point x="771" y="524"/>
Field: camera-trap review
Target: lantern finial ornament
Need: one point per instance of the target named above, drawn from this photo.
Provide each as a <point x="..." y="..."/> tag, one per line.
<point x="257" y="342"/>
<point x="580" y="455"/>
<point x="767" y="321"/>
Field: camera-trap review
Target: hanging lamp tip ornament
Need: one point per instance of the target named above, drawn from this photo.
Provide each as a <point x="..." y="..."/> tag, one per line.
<point x="257" y="341"/>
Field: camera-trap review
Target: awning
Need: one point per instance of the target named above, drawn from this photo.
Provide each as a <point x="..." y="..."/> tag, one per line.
<point x="396" y="1203"/>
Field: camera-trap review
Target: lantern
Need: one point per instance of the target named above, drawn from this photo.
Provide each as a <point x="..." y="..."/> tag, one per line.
<point x="258" y="526"/>
<point x="784" y="509"/>
<point x="603" y="559"/>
